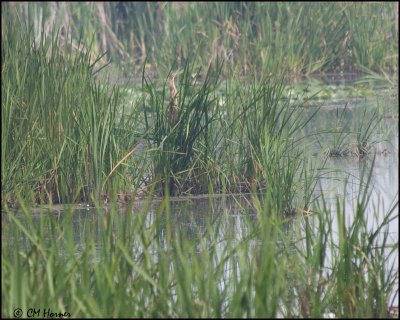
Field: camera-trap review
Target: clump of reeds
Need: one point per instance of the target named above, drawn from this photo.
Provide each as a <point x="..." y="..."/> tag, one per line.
<point x="179" y="127"/>
<point x="352" y="141"/>
<point x="60" y="128"/>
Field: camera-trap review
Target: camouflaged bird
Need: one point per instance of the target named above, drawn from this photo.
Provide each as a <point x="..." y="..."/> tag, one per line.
<point x="172" y="108"/>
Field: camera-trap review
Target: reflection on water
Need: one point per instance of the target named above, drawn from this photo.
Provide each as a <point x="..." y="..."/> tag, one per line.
<point x="234" y="216"/>
<point x="189" y="215"/>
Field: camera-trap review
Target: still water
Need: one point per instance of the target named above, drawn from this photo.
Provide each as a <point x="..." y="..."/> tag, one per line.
<point x="341" y="104"/>
<point x="341" y="179"/>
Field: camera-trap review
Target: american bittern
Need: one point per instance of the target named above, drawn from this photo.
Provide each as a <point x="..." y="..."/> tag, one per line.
<point x="172" y="109"/>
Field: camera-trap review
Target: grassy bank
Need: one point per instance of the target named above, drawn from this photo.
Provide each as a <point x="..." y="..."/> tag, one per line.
<point x="302" y="38"/>
<point x="139" y="263"/>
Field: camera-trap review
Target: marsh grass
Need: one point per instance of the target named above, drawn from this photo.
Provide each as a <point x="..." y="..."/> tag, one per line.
<point x="352" y="134"/>
<point x="239" y="136"/>
<point x="365" y="131"/>
<point x="271" y="128"/>
<point x="137" y="264"/>
<point x="349" y="287"/>
<point x="59" y="127"/>
<point x="68" y="138"/>
<point x="248" y="36"/>
<point x="177" y="138"/>
<point x="356" y="260"/>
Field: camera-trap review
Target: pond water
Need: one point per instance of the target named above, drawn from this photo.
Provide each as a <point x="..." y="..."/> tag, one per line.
<point x="190" y="215"/>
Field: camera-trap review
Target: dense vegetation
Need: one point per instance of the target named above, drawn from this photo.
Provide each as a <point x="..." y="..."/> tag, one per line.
<point x="137" y="262"/>
<point x="68" y="138"/>
<point x="210" y="114"/>
<point x="263" y="36"/>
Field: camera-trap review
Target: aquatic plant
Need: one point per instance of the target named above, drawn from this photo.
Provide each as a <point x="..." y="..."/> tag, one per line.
<point x="139" y="263"/>
<point x="179" y="125"/>
<point x="339" y="134"/>
<point x="365" y="132"/>
<point x="267" y="37"/>
<point x="60" y="129"/>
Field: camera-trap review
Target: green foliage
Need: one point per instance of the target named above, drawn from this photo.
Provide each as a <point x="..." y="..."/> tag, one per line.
<point x="302" y="38"/>
<point x="181" y="136"/>
<point x="139" y="263"/>
<point x="66" y="138"/>
<point x="59" y="127"/>
<point x="357" y="140"/>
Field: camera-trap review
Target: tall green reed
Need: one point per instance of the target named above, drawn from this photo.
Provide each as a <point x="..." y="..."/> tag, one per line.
<point x="58" y="125"/>
<point x="140" y="263"/>
<point x="268" y="133"/>
<point x="339" y="133"/>
<point x="364" y="132"/>
<point x="365" y="40"/>
<point x="179" y="129"/>
<point x="351" y="263"/>
<point x="353" y="133"/>
<point x="266" y="36"/>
